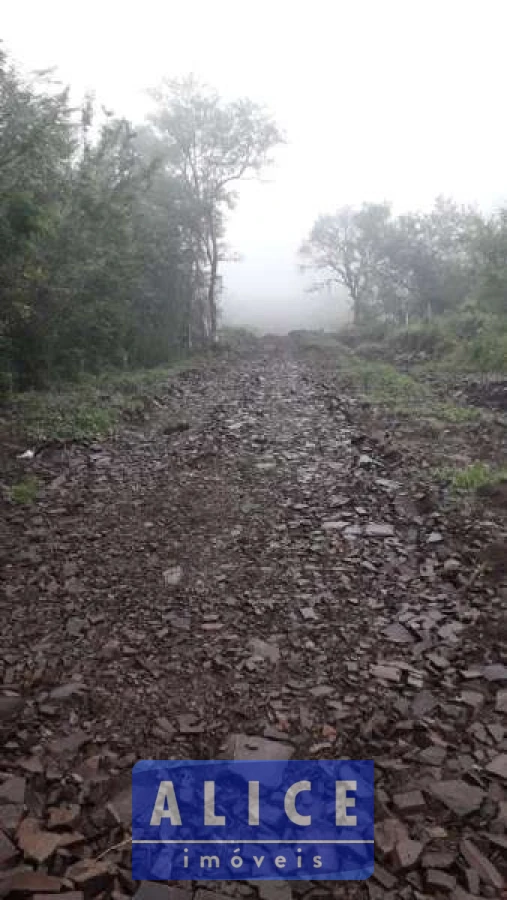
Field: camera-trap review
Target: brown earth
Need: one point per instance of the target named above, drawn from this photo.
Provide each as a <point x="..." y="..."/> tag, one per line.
<point x="282" y="568"/>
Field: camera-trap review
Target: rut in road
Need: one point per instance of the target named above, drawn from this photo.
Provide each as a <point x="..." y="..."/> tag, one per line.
<point x="265" y="572"/>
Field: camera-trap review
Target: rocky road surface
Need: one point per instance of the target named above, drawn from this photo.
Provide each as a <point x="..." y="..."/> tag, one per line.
<point x="258" y="568"/>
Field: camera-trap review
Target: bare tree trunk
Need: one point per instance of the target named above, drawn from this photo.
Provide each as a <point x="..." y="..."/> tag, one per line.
<point x="212" y="286"/>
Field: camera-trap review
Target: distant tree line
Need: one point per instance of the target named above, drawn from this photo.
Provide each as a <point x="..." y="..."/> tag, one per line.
<point x="409" y="268"/>
<point x="111" y="236"/>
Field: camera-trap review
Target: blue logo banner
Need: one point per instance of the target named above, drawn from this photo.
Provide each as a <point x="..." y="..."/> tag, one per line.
<point x="296" y="819"/>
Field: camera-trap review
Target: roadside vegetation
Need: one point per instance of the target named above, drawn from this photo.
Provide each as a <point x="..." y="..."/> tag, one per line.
<point x="113" y="233"/>
<point x="475" y="477"/>
<point x="424" y="288"/>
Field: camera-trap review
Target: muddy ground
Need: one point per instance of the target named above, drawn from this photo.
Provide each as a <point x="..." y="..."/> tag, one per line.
<point x="283" y="568"/>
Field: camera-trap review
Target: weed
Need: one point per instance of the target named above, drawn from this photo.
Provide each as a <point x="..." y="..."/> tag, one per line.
<point x="26" y="490"/>
<point x="471" y="478"/>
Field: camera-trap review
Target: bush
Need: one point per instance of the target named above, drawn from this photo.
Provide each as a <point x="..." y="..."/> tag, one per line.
<point x="429" y="339"/>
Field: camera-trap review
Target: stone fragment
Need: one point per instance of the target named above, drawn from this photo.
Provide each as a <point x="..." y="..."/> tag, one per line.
<point x="243" y="746"/>
<point x="10" y="707"/>
<point x="120" y="807"/>
<point x="475" y="699"/>
<point x="398" y="634"/>
<point x="386" y="673"/>
<point x="12" y="796"/>
<point x="188" y="723"/>
<point x="495" y="672"/>
<point x="152" y="890"/>
<point x="433" y="755"/>
<point x="440" y="881"/>
<point x="308" y="613"/>
<point x="269" y="890"/>
<point x="64" y="691"/>
<point x="68" y="895"/>
<point x="265" y="649"/>
<point x="172" y="576"/>
<point x="501" y="700"/>
<point x="322" y="690"/>
<point x="8" y="851"/>
<point x="459" y="796"/>
<point x="24" y="882"/>
<point x="69" y="744"/>
<point x="409" y="802"/>
<point x="12" y="790"/>
<point x="36" y="844"/>
<point x="407" y="853"/>
<point x="75" y="625"/>
<point x="424" y="703"/>
<point x="379" y="530"/>
<point x="438" y="859"/>
<point x="91" y="875"/>
<point x="485" y="869"/>
<point x="31" y="764"/>
<point x="63" y="816"/>
<point x="498" y="766"/>
<point x="388" y="833"/>
<point x="459" y="893"/>
<point x="386" y="879"/>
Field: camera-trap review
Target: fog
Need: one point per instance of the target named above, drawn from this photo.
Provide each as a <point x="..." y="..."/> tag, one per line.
<point x="391" y="100"/>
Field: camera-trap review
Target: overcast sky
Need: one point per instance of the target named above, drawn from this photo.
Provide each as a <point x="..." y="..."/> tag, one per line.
<point x="380" y="99"/>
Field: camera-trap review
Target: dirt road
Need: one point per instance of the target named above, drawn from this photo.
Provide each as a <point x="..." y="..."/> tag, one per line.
<point x="276" y="570"/>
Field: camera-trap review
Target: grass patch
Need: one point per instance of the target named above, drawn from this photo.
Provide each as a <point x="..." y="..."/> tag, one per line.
<point x="403" y="394"/>
<point x="473" y="477"/>
<point x="382" y="382"/>
<point x="26" y="490"/>
<point x="456" y="415"/>
<point x="91" y="409"/>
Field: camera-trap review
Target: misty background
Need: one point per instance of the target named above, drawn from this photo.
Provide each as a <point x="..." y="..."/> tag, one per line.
<point x="397" y="101"/>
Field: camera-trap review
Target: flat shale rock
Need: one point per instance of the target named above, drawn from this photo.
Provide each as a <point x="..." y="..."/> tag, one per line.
<point x="63" y="816"/>
<point x="459" y="796"/>
<point x="36" y="844"/>
<point x="407" y="853"/>
<point x="10" y="708"/>
<point x="152" y="890"/>
<point x="121" y="807"/>
<point x="91" y="875"/>
<point x="481" y="864"/>
<point x="384" y="877"/>
<point x="242" y="746"/>
<point x="495" y="672"/>
<point x="388" y="833"/>
<point x="23" y="882"/>
<point x="498" y="766"/>
<point x="12" y="790"/>
<point x="437" y="880"/>
<point x="8" y="851"/>
<point x="398" y="634"/>
<point x="410" y="802"/>
<point x="274" y="890"/>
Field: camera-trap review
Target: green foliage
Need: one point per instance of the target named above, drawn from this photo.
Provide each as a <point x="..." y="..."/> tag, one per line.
<point x="405" y="396"/>
<point x="473" y="477"/>
<point x="486" y="353"/>
<point x="408" y="269"/>
<point x="382" y="382"/>
<point x="209" y="146"/>
<point x="430" y="339"/>
<point x="26" y="490"/>
<point x="110" y="236"/>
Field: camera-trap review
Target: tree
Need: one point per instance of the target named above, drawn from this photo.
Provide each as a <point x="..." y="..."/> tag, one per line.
<point x="349" y="249"/>
<point x="396" y="268"/>
<point x="210" y="145"/>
